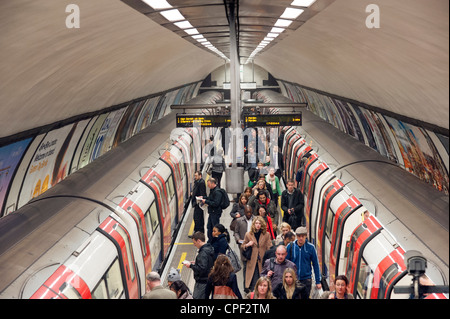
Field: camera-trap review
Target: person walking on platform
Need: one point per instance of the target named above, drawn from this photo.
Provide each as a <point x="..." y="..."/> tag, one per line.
<point x="157" y="291"/>
<point x="288" y="288"/>
<point x="274" y="183"/>
<point x="341" y="289"/>
<point x="220" y="240"/>
<point x="263" y="201"/>
<point x="274" y="267"/>
<point x="238" y="210"/>
<point x="213" y="201"/>
<point x="263" y="290"/>
<point x="217" y="166"/>
<point x="303" y="254"/>
<point x="202" y="264"/>
<point x="243" y="225"/>
<point x="199" y="190"/>
<point x="258" y="240"/>
<point x="222" y="281"/>
<point x="292" y="203"/>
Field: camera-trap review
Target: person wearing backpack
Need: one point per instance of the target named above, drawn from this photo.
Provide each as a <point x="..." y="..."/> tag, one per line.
<point x="214" y="202"/>
<point x="274" y="267"/>
<point x="217" y="166"/>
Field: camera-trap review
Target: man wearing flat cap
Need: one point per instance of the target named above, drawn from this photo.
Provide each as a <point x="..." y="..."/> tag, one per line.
<point x="303" y="254"/>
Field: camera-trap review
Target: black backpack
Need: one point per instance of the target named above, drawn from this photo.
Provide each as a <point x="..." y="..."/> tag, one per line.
<point x="225" y="200"/>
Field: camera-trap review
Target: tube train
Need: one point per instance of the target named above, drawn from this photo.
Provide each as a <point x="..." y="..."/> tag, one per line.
<point x="101" y="230"/>
<point x="364" y="250"/>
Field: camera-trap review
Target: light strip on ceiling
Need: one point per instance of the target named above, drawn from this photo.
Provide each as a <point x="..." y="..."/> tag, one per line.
<point x="291" y="13"/>
<point x="158" y="4"/>
<point x="302" y="3"/>
<point x="281" y="24"/>
<point x="184" y="25"/>
<point x="172" y="15"/>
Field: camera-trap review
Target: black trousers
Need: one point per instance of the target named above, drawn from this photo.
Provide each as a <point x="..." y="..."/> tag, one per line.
<point x="199" y="220"/>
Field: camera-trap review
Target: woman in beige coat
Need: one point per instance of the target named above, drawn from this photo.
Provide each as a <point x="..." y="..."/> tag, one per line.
<point x="259" y="239"/>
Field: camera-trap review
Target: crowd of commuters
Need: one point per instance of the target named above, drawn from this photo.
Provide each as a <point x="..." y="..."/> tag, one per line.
<point x="277" y="259"/>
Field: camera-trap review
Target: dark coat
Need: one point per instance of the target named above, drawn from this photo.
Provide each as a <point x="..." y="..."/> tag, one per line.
<point x="203" y="263"/>
<point x="297" y="204"/>
<point x="220" y="245"/>
<point x="199" y="189"/>
<point x="280" y="292"/>
<point x="214" y="200"/>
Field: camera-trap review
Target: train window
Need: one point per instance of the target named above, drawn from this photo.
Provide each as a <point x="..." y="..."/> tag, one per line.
<point x="386" y="279"/>
<point x="113" y="280"/>
<point x="110" y="286"/>
<point x="137" y="218"/>
<point x="151" y="219"/>
<point x="100" y="292"/>
<point x="170" y="188"/>
<point x="329" y="225"/>
<point x="124" y="235"/>
<point x="364" y="285"/>
<point x="305" y="191"/>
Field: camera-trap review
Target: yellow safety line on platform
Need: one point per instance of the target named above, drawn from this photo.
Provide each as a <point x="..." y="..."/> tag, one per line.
<point x="184" y="243"/>
<point x="180" y="264"/>
<point x="191" y="229"/>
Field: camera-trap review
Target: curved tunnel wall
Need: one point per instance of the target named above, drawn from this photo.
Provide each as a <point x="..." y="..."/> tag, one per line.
<point x="416" y="149"/>
<point x="36" y="163"/>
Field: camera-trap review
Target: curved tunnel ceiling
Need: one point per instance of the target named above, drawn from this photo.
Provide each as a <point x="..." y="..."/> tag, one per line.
<point x="125" y="49"/>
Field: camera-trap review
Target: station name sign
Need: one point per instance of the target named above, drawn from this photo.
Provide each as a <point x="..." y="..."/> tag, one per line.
<point x="190" y="120"/>
<point x="292" y="119"/>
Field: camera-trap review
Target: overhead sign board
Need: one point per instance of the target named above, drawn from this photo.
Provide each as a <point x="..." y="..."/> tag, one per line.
<point x="190" y="120"/>
<point x="257" y="120"/>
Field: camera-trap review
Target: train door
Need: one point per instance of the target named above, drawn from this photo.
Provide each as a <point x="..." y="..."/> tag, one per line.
<point x="142" y="203"/>
<point x="336" y="220"/>
<point x="137" y="215"/>
<point x="153" y="180"/>
<point x="317" y="170"/>
<point x="328" y="195"/>
<point x="290" y="138"/>
<point x="359" y="239"/>
<point x="298" y="145"/>
<point x="117" y="233"/>
<point x="322" y="183"/>
<point x="307" y="175"/>
<point x="175" y="184"/>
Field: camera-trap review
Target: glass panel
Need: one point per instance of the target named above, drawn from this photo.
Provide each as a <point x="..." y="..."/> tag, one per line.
<point x="100" y="291"/>
<point x="114" y="281"/>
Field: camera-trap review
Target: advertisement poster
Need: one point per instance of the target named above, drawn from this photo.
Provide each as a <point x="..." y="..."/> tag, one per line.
<point x="90" y="141"/>
<point x="51" y="161"/>
<point x="10" y="156"/>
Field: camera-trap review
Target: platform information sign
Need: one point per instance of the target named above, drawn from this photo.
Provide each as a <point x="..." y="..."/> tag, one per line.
<point x="189" y="120"/>
<point x="293" y="119"/>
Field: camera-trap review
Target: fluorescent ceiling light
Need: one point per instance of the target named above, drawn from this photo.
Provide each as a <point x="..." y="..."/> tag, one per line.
<point x="184" y="25"/>
<point x="158" y="4"/>
<point x="277" y="30"/>
<point x="198" y="36"/>
<point x="202" y="40"/>
<point x="172" y="15"/>
<point x="265" y="42"/>
<point x="283" y="23"/>
<point x="272" y="35"/>
<point x="191" y="31"/>
<point x="302" y="3"/>
<point x="291" y="13"/>
<point x="268" y="39"/>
